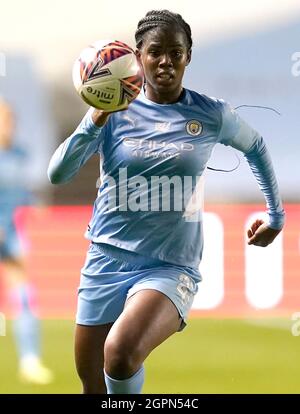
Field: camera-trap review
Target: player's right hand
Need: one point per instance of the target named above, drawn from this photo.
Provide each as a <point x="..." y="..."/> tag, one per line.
<point x="100" y="117"/>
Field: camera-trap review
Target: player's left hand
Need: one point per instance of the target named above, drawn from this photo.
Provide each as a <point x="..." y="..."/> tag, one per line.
<point x="260" y="234"/>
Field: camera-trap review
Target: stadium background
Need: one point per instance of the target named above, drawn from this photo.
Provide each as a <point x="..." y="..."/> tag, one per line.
<point x="241" y="337"/>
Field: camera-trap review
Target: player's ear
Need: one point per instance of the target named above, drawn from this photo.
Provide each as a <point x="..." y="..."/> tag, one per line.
<point x="189" y="57"/>
<point x="138" y="54"/>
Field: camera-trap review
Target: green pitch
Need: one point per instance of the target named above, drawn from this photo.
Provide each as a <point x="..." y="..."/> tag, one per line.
<point x="210" y="356"/>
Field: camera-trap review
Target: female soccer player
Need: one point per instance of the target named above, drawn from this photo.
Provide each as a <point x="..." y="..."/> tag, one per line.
<point x="14" y="193"/>
<point x="141" y="271"/>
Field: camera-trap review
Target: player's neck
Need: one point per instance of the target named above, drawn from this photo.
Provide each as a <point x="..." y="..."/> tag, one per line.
<point x="161" y="97"/>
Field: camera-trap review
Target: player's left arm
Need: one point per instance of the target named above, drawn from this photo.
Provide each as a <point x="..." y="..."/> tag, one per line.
<point x="238" y="134"/>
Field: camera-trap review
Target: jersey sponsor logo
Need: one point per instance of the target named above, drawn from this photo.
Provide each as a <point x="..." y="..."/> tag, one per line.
<point x="194" y="127"/>
<point x="156" y="149"/>
<point x="157" y="145"/>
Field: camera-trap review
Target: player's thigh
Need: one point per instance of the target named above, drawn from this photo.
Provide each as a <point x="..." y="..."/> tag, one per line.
<point x="88" y="348"/>
<point x="147" y="320"/>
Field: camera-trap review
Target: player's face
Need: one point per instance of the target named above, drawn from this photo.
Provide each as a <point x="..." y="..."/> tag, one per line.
<point x="6" y="126"/>
<point x="164" y="56"/>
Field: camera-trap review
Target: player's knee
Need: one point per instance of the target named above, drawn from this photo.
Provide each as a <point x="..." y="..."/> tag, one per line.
<point x="122" y="358"/>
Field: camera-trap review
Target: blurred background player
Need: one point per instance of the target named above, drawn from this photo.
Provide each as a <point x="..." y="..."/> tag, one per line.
<point x="14" y="193"/>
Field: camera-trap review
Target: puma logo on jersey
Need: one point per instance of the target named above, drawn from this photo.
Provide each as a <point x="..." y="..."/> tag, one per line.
<point x="130" y="120"/>
<point x="162" y="126"/>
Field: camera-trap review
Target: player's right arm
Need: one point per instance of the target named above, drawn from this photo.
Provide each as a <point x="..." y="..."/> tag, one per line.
<point x="73" y="153"/>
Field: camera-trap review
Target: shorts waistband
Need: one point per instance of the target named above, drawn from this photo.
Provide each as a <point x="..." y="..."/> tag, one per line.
<point x="127" y="255"/>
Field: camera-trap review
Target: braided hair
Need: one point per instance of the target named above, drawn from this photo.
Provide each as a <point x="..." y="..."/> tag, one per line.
<point x="161" y="18"/>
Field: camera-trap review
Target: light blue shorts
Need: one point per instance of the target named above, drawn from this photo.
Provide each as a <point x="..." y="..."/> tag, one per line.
<point x="111" y="275"/>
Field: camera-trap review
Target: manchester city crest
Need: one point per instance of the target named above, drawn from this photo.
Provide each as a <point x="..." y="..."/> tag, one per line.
<point x="194" y="127"/>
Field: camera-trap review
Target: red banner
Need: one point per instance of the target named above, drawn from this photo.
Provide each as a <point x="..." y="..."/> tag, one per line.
<point x="238" y="280"/>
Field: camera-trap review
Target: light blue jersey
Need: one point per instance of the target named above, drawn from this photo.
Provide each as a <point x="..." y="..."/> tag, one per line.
<point x="152" y="159"/>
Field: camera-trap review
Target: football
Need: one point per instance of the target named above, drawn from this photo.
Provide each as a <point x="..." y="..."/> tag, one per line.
<point x="107" y="75"/>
